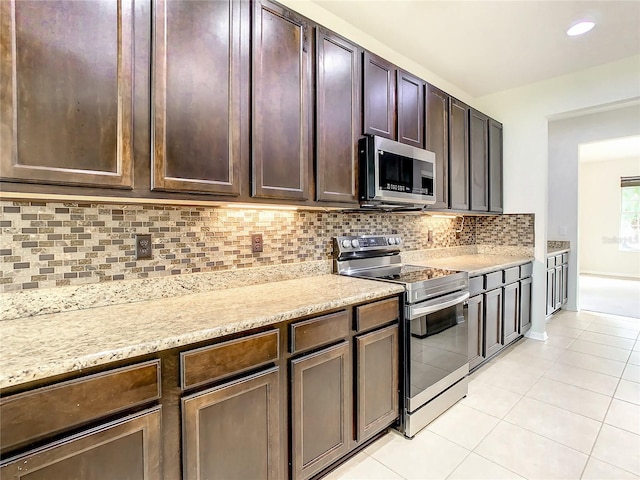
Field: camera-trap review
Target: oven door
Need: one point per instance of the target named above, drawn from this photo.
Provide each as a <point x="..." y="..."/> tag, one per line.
<point x="437" y="347"/>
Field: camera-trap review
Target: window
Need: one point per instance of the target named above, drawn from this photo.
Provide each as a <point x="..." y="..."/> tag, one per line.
<point x="630" y="214"/>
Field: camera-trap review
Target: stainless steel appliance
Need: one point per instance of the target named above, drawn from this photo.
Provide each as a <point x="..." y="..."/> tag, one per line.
<point x="434" y="350"/>
<point x="392" y="173"/>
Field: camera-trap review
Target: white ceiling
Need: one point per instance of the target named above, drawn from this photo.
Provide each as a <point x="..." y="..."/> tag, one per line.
<point x="488" y="46"/>
<point x="617" y="148"/>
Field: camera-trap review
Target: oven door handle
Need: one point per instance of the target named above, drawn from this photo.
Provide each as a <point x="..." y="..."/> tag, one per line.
<point x="418" y="312"/>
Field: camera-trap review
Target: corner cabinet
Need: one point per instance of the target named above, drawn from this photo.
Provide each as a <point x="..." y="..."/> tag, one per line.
<point x="199" y="77"/>
<point x="67" y="92"/>
<point x="495" y="166"/>
<point x="281" y="106"/>
<point x="337" y="90"/>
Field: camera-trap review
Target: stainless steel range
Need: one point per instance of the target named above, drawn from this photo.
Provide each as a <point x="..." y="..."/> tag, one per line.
<point x="434" y="341"/>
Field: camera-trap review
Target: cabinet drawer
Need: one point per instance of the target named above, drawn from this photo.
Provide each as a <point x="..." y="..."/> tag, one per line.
<point x="319" y="331"/>
<point x="558" y="260"/>
<point x="565" y="258"/>
<point x="28" y="416"/>
<point x="551" y="262"/>
<point x="215" y="362"/>
<point x="526" y="270"/>
<point x="493" y="280"/>
<point x="476" y="285"/>
<point x="375" y="314"/>
<point x="511" y="275"/>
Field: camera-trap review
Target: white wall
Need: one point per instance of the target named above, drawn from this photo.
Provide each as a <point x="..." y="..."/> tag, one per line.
<point x="565" y="137"/>
<point x="599" y="217"/>
<point x="525" y="113"/>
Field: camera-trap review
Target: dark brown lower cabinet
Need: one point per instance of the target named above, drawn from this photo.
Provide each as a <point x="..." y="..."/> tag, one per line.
<point x="233" y="431"/>
<point x="321" y="409"/>
<point x="510" y="313"/>
<point x="127" y="449"/>
<point x="525" y="304"/>
<point x="475" y="318"/>
<point x="493" y="321"/>
<point x="377" y="380"/>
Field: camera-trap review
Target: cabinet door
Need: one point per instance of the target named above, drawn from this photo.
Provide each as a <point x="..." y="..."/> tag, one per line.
<point x="67" y="81"/>
<point x="281" y="74"/>
<point x="565" y="284"/>
<point x="495" y="166"/>
<point x="492" y="322"/>
<point x="525" y="304"/>
<point x="379" y="96"/>
<point x="337" y="117"/>
<point x="475" y="320"/>
<point x="377" y="381"/>
<point x="321" y="409"/>
<point x="127" y="449"/>
<point x="510" y="313"/>
<point x="233" y="431"/>
<point x="558" y="287"/>
<point x="198" y="123"/>
<point x="551" y="290"/>
<point x="410" y="109"/>
<point x="437" y="141"/>
<point x="458" y="155"/>
<point x="478" y="160"/>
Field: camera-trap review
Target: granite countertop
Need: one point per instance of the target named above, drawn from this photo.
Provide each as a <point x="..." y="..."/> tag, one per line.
<point x="555" y="251"/>
<point x="477" y="264"/>
<point x="33" y="348"/>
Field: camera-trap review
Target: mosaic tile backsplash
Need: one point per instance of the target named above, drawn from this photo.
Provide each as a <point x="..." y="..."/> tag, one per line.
<point x="50" y="244"/>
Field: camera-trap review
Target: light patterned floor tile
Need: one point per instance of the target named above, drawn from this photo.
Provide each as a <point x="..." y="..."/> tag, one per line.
<point x="427" y="456"/>
<point x="579" y="377"/>
<point x="567" y="428"/>
<point x="553" y="329"/>
<point x="611" y="340"/>
<point x="624" y="415"/>
<point x="634" y="358"/>
<point x="618" y="447"/>
<point x="463" y="425"/>
<point x="575" y="399"/>
<point x="611" y="330"/>
<point x="490" y="399"/>
<point x="599" y="350"/>
<point x="539" y="349"/>
<point x="559" y="341"/>
<point x="591" y="362"/>
<point x="628" y="391"/>
<point x="531" y="455"/>
<point x="599" y="470"/>
<point x="632" y="373"/>
<point x="475" y="467"/>
<point x="362" y="467"/>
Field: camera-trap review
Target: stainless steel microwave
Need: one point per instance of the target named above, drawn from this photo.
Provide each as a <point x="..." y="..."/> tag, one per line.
<point x="392" y="173"/>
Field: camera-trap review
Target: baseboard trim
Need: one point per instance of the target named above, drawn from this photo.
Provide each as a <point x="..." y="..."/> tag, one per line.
<point x="541" y="337"/>
<point x="619" y="276"/>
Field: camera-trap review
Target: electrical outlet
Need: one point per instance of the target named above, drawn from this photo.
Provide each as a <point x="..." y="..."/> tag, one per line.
<point x="430" y="236"/>
<point x="256" y="242"/>
<point x="143" y="246"/>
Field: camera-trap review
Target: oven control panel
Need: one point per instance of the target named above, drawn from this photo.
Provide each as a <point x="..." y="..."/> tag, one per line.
<point x="366" y="243"/>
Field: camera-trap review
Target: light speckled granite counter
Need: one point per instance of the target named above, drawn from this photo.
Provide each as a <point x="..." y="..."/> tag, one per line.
<point x="556" y="251"/>
<point x="33" y="348"/>
<point x="477" y="264"/>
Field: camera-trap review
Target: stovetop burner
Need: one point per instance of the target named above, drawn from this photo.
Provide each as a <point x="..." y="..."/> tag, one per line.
<point x="413" y="274"/>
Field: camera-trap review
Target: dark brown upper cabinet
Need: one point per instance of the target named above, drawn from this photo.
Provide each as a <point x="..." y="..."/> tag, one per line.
<point x="479" y="160"/>
<point x="281" y="81"/>
<point x="410" y="109"/>
<point x="437" y="141"/>
<point x="495" y="166"/>
<point x="337" y="117"/>
<point x="379" y="97"/>
<point x="198" y="74"/>
<point x="66" y="70"/>
<point x="458" y="155"/>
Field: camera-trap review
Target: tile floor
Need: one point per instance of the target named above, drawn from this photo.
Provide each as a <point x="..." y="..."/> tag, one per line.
<point x="563" y="409"/>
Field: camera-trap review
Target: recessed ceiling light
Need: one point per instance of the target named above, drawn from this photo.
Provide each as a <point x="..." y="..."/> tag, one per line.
<point x="580" y="28"/>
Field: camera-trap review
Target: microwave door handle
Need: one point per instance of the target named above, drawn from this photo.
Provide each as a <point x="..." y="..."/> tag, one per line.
<point x="418" y="312"/>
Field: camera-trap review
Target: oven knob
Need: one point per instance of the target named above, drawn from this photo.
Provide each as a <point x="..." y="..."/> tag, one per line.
<point x="346" y="243"/>
<point x="355" y="243"/>
<point x="398" y="240"/>
<point x="391" y="241"/>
